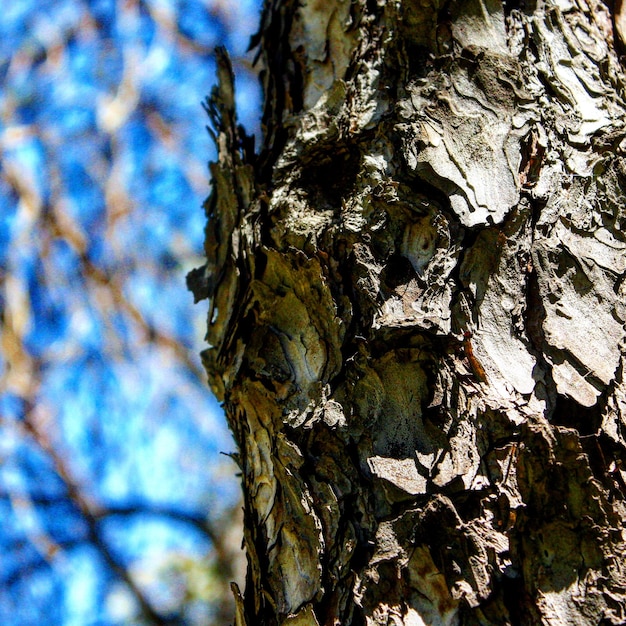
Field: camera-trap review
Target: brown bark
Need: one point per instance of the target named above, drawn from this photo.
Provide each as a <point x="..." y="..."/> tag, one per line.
<point x="417" y="314"/>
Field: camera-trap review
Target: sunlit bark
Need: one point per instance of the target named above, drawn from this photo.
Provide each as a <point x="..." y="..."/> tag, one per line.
<point x="417" y="314"/>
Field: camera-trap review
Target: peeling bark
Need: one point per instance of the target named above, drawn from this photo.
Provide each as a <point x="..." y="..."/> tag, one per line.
<point x="417" y="313"/>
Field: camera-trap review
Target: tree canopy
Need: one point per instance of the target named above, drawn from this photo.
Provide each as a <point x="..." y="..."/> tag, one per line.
<point x="113" y="493"/>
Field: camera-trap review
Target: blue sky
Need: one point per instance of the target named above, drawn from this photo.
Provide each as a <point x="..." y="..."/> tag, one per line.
<point x="103" y="170"/>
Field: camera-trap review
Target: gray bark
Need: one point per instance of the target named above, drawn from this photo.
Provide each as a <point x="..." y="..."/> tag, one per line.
<point x="417" y="313"/>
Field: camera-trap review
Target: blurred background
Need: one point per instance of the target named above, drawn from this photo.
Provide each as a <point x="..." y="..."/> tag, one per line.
<point x="117" y="505"/>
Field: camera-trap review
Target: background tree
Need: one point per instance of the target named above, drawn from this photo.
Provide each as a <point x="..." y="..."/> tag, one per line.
<point x="417" y="313"/>
<point x="115" y="504"/>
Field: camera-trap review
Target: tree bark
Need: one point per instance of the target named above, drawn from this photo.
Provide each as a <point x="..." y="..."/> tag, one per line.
<point x="417" y="307"/>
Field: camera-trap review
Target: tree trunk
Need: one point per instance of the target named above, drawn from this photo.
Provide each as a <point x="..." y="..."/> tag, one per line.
<point x="417" y="313"/>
